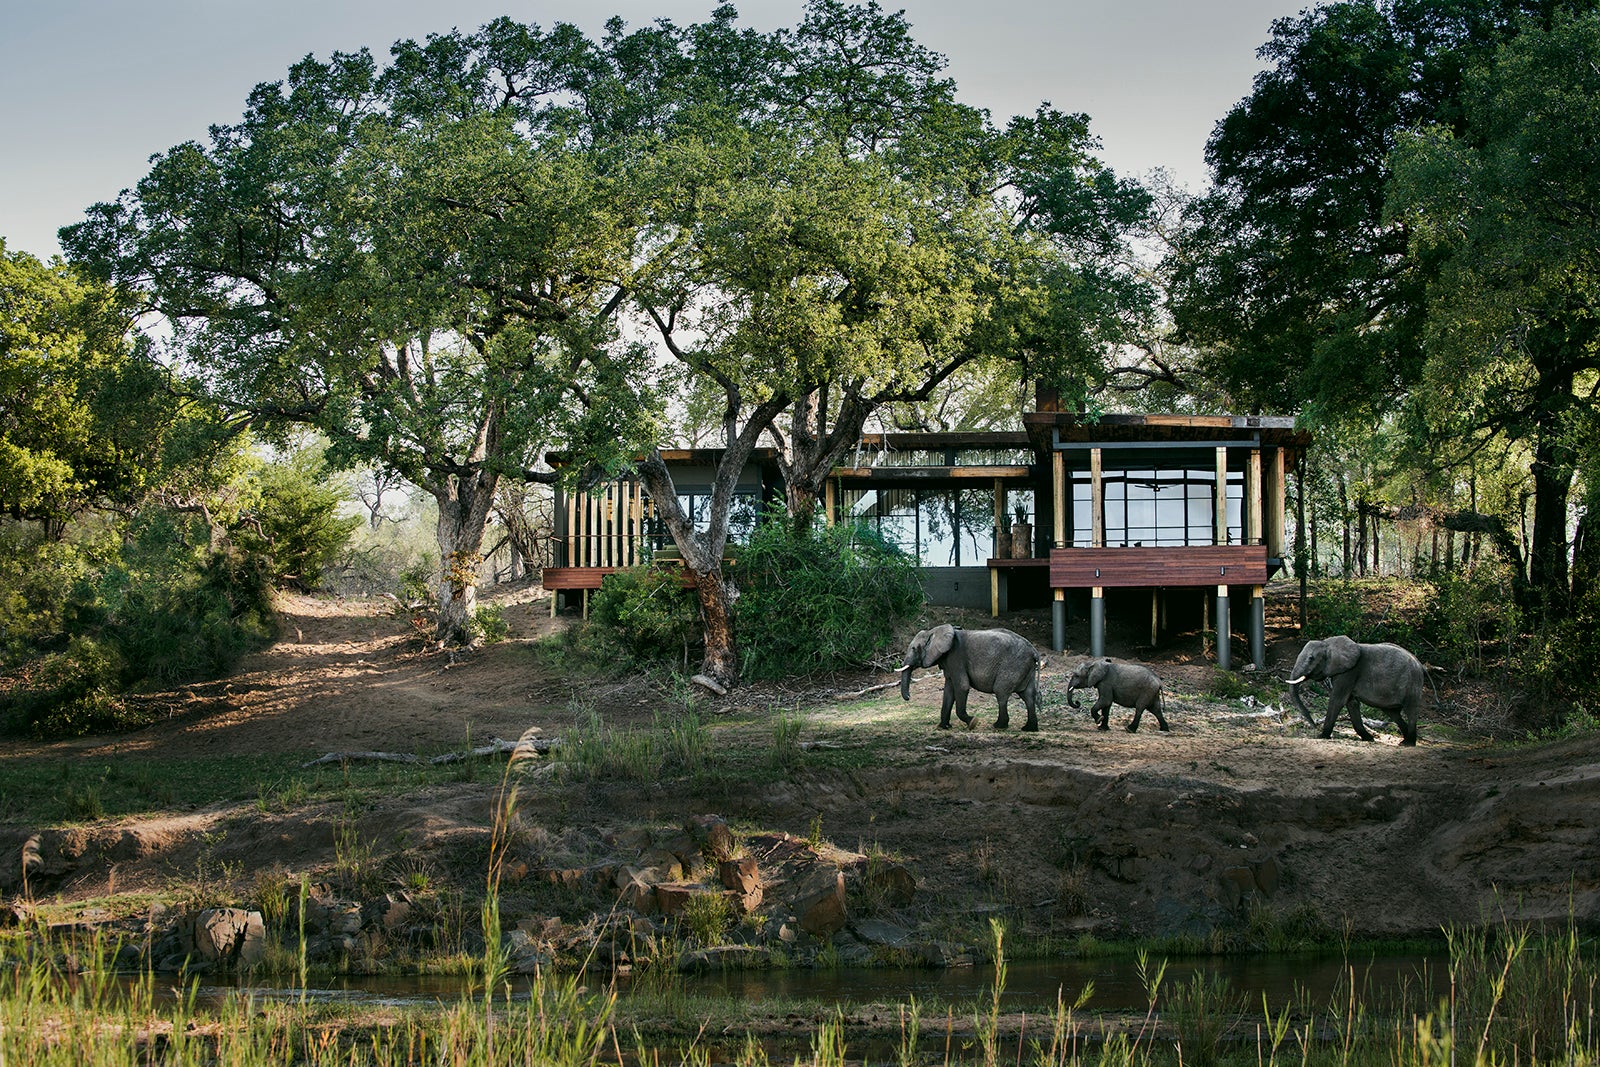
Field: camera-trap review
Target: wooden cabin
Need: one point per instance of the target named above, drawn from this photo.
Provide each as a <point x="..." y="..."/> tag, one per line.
<point x="1177" y="510"/>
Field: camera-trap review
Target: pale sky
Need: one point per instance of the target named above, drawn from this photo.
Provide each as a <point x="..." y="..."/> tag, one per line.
<point x="90" y="89"/>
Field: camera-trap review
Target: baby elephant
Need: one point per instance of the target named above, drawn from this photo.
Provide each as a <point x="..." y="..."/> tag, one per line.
<point x="990" y="661"/>
<point x="1127" y="684"/>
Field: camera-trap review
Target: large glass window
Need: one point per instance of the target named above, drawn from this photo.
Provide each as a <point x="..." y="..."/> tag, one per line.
<point x="940" y="527"/>
<point x="742" y="512"/>
<point x="1156" y="508"/>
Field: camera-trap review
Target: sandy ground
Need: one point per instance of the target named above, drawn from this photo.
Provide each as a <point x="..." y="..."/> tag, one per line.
<point x="1234" y="818"/>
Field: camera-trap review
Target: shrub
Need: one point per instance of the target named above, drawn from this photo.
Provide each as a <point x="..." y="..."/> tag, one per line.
<point x="167" y="609"/>
<point x="296" y="523"/>
<point x="648" y="613"/>
<point x="819" y="600"/>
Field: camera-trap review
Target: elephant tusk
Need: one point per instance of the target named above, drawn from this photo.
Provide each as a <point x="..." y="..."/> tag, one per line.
<point x="907" y="667"/>
<point x="1297" y="681"/>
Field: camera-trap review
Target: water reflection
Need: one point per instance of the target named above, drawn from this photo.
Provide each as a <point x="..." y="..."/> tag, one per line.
<point x="1308" y="981"/>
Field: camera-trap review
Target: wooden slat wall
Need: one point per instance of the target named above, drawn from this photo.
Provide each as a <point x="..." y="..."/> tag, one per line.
<point x="1084" y="568"/>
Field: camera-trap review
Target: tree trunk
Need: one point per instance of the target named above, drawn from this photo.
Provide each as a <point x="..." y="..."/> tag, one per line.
<point x="813" y="449"/>
<point x="464" y="504"/>
<point x="1344" y="517"/>
<point x="1547" y="555"/>
<point x="1361" y="536"/>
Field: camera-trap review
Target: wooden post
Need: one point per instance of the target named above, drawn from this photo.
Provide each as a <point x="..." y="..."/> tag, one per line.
<point x="1058" y="481"/>
<point x="994" y="592"/>
<point x="572" y="521"/>
<point x="1277" y="489"/>
<point x="1220" y="534"/>
<point x="1254" y="498"/>
<point x="999" y="512"/>
<point x="1155" y="616"/>
<point x="625" y="543"/>
<point x="1097" y="500"/>
<point x="829" y="501"/>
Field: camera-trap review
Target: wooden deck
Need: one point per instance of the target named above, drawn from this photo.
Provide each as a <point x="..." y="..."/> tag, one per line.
<point x="1087" y="568"/>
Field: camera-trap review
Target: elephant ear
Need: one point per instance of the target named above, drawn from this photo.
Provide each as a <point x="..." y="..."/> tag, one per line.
<point x="1098" y="672"/>
<point x="941" y="639"/>
<point x="1343" y="654"/>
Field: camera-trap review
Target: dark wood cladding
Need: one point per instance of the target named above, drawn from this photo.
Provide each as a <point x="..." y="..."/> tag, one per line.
<point x="574" y="577"/>
<point x="1082" y="568"/>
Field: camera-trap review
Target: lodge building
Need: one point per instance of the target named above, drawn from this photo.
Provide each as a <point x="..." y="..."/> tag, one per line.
<point x="1154" y="512"/>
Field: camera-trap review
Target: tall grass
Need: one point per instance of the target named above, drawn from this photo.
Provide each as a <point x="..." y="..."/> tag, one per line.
<point x="1514" y="996"/>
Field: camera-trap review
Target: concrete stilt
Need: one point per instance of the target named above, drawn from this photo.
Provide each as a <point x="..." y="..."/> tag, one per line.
<point x="1097" y="621"/>
<point x="1058" y="622"/>
<point x="1258" y="628"/>
<point x="1224" y="630"/>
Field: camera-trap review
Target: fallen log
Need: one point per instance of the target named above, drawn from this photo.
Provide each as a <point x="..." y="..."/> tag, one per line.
<point x="495" y="746"/>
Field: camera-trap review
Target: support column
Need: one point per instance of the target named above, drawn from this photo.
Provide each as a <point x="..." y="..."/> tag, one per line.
<point x="1058" y="621"/>
<point x="1258" y="627"/>
<point x="994" y="592"/>
<point x="1254" y="499"/>
<point x="1155" y="616"/>
<point x="1220" y="502"/>
<point x="999" y="510"/>
<point x="1097" y="500"/>
<point x="1224" y="630"/>
<point x="829" y="502"/>
<point x="1058" y="479"/>
<point x="1097" y="621"/>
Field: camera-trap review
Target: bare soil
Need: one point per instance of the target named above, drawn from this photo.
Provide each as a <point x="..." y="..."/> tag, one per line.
<point x="1239" y="818"/>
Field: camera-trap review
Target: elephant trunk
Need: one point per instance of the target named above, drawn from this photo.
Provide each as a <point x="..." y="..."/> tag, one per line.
<point x="1299" y="702"/>
<point x="1072" y="700"/>
<point x="905" y="682"/>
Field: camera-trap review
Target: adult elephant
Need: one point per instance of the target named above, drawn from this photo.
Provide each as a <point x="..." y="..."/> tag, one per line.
<point x="1384" y="676"/>
<point x="990" y="661"/>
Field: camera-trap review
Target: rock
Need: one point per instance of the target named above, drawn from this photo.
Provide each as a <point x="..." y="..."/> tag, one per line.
<point x="638" y="894"/>
<point x="661" y="866"/>
<point x="726" y="957"/>
<point x="547" y="929"/>
<point x="633" y="839"/>
<point x="389" y="912"/>
<point x="684" y="847"/>
<point x="229" y="936"/>
<point x="740" y="875"/>
<point x="712" y="835"/>
<point x="896" y="883"/>
<point x="673" y="897"/>
<point x="874" y="932"/>
<point x="1200" y="864"/>
<point x="819" y="902"/>
<point x="1235" y="884"/>
<point x="1266" y="875"/>
<point x="344" y="919"/>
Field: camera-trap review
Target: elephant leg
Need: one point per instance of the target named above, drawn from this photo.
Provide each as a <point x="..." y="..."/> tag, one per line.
<point x="1102" y="713"/>
<point x="1155" y="709"/>
<point x="1337" y="696"/>
<point x="1030" y="697"/>
<point x="961" y="707"/>
<point x="1003" y="720"/>
<point x="1138" y="716"/>
<point x="1354" y="707"/>
<point x="944" y="708"/>
<point x="1409" y="714"/>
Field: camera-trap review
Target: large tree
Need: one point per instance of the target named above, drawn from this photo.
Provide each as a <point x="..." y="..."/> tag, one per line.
<point x="81" y="418"/>
<point x="1301" y="290"/>
<point x="1508" y="208"/>
<point x="415" y="260"/>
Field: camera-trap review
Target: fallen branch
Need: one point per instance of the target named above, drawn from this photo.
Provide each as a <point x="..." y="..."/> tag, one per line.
<point x="352" y="757"/>
<point x="494" y="747"/>
<point x="876" y="688"/>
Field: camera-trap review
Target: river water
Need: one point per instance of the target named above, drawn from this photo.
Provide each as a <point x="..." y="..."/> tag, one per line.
<point x="1310" y="981"/>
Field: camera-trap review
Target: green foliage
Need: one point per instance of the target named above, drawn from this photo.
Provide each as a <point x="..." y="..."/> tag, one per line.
<point x="295" y="522"/>
<point x="707" y="917"/>
<point x="647" y="613"/>
<point x="489" y="624"/>
<point x="819" y="600"/>
<point x="1204" y="1009"/>
<point x="167" y="608"/>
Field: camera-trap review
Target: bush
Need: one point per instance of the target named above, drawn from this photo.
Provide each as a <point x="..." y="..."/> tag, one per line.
<point x="167" y="609"/>
<point x="648" y="613"/>
<point x="296" y="523"/>
<point x="819" y="600"/>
